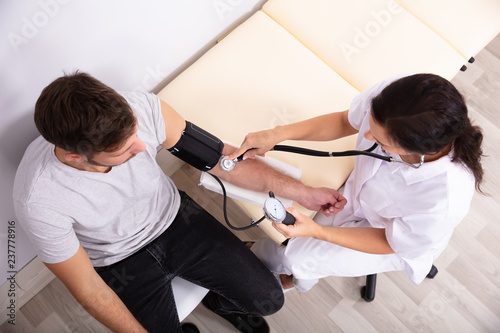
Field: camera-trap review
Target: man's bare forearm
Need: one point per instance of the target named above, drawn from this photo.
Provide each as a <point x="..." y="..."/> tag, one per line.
<point x="90" y="290"/>
<point x="105" y="306"/>
<point x="256" y="175"/>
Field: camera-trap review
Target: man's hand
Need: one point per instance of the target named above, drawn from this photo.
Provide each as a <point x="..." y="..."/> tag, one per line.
<point x="323" y="199"/>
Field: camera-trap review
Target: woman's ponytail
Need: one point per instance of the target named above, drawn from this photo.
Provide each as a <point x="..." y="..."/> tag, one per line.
<point x="467" y="150"/>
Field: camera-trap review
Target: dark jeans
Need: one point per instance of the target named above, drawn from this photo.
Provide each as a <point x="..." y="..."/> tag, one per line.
<point x="197" y="248"/>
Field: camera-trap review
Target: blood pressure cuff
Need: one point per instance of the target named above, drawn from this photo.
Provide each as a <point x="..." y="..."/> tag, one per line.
<point x="198" y="148"/>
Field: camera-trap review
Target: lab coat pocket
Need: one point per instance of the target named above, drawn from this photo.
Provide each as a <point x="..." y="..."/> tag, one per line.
<point x="378" y="207"/>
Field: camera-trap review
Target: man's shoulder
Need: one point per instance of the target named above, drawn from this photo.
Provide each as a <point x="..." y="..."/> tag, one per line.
<point x="140" y="101"/>
<point x="36" y="159"/>
<point x="147" y="108"/>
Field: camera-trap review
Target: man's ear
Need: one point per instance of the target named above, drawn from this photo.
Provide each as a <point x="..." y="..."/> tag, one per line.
<point x="72" y="157"/>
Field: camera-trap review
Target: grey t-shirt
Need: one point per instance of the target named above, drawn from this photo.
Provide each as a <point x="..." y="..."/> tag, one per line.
<point x="112" y="215"/>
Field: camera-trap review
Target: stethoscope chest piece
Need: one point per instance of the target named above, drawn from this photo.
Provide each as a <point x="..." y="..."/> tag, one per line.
<point x="227" y="165"/>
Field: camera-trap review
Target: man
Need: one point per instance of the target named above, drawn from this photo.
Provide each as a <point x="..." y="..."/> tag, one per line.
<point x="113" y="228"/>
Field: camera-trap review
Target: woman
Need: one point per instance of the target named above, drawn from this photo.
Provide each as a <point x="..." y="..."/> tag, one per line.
<point x="398" y="217"/>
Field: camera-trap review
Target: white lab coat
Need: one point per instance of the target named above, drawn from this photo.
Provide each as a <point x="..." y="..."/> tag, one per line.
<point x="418" y="208"/>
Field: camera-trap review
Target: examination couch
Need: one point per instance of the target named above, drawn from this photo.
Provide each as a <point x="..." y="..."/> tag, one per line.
<point x="295" y="59"/>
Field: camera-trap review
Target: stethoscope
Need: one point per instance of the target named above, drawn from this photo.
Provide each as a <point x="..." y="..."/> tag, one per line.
<point x="229" y="165"/>
<point x="273" y="209"/>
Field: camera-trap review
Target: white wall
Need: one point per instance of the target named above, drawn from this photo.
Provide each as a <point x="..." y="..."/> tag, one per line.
<point x="127" y="44"/>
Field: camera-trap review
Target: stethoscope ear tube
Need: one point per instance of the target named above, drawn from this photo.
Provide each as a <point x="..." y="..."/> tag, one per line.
<point x="311" y="152"/>
<point x="224" y="194"/>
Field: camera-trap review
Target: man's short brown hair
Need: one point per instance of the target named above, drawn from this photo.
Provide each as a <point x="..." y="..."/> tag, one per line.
<point x="82" y="115"/>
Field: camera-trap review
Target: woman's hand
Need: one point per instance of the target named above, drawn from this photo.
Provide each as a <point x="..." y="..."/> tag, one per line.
<point x="256" y="144"/>
<point x="303" y="226"/>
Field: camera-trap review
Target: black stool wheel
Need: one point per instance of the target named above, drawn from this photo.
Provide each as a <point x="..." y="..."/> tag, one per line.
<point x="432" y="273"/>
<point x="368" y="291"/>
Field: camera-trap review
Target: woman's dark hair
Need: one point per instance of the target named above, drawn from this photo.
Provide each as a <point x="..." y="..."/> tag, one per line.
<point x="424" y="114"/>
<point x="82" y="115"/>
